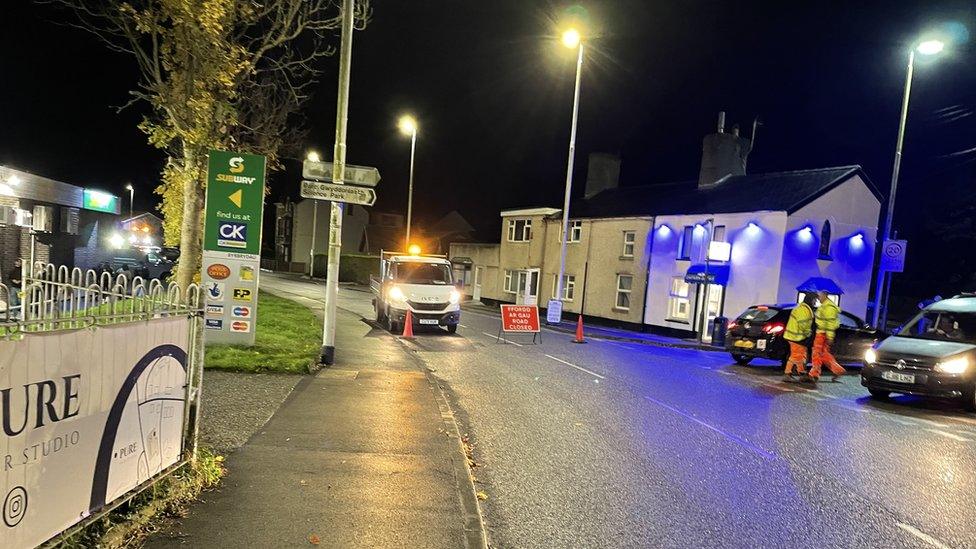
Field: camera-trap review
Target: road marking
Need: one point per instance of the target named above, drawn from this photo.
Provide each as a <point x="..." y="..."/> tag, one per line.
<point x="930" y="422"/>
<point x="577" y="367"/>
<point x="462" y="325"/>
<point x="724" y="373"/>
<point x="946" y="434"/>
<point x="502" y="339"/>
<point x="921" y="535"/>
<point x="730" y="436"/>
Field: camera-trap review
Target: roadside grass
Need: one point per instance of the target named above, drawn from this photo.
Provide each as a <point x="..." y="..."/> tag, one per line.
<point x="288" y="340"/>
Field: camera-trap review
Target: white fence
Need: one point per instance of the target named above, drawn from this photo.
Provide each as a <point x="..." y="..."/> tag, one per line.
<point x="100" y="380"/>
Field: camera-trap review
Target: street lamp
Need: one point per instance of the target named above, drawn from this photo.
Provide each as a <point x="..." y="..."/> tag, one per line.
<point x="313" y="156"/>
<point x="132" y="195"/>
<point x="571" y="39"/>
<point x="408" y="126"/>
<point x="925" y="47"/>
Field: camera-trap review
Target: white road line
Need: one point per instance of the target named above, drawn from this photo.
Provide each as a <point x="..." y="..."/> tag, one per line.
<point x="930" y="422"/>
<point x="462" y="325"/>
<point x="730" y="436"/>
<point x="594" y="374"/>
<point x="502" y="339"/>
<point x="946" y="434"/>
<point x="921" y="535"/>
<point x="724" y="373"/>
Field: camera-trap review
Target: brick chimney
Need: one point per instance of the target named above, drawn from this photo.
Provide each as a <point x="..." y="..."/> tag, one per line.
<point x="602" y="173"/>
<point x="723" y="154"/>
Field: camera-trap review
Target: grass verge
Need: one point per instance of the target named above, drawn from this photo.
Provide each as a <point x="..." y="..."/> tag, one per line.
<point x="288" y="340"/>
<point x="130" y="523"/>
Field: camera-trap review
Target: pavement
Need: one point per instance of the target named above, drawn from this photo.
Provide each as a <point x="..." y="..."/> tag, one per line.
<point x="363" y="454"/>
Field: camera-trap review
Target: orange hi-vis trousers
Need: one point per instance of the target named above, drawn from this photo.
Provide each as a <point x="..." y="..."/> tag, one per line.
<point x="798" y="358"/>
<point x="822" y="355"/>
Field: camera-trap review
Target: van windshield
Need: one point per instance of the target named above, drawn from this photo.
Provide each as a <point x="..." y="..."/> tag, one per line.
<point x="423" y="273"/>
<point x="942" y="326"/>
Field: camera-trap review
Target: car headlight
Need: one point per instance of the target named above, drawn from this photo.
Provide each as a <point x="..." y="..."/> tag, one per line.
<point x="870" y="356"/>
<point x="953" y="366"/>
<point x="396" y="294"/>
<point x="455" y="296"/>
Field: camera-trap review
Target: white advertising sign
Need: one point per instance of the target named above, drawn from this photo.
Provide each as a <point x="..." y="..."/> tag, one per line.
<point x="87" y="416"/>
<point x="230" y="291"/>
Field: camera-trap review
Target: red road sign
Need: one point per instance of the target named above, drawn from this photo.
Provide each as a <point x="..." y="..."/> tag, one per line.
<point x="520" y="318"/>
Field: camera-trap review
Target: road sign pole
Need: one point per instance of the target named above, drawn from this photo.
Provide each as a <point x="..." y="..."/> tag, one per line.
<point x="327" y="356"/>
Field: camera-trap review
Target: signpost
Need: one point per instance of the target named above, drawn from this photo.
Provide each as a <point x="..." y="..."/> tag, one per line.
<point x="365" y="176"/>
<point x="232" y="245"/>
<point x="893" y="255"/>
<point x="349" y="194"/>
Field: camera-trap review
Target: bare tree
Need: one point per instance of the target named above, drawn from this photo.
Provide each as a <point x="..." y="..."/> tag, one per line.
<point x="215" y="74"/>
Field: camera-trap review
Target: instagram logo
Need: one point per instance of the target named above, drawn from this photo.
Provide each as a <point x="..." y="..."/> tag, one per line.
<point x="15" y="506"/>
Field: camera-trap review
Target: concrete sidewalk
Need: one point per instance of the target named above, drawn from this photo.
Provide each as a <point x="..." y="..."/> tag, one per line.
<point x="364" y="454"/>
<point x="603" y="332"/>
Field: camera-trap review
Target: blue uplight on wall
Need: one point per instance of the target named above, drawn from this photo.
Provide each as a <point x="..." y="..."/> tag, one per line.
<point x="805" y="234"/>
<point x="856" y="242"/>
<point x="663" y="231"/>
<point x="699" y="229"/>
<point x="753" y="229"/>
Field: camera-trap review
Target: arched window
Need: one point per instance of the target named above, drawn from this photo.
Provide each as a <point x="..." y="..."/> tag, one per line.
<point x="825" y="240"/>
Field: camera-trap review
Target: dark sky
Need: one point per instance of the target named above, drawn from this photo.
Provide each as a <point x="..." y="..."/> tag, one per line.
<point x="493" y="92"/>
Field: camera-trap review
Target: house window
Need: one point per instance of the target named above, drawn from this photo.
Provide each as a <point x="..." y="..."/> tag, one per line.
<point x="575" y="231"/>
<point x="629" y="238"/>
<point x="684" y="246"/>
<point x="519" y="230"/>
<point x="509" y="281"/>
<point x="679" y="304"/>
<point x="624" y="284"/>
<point x="825" y="240"/>
<point x="718" y="233"/>
<point x="569" y="287"/>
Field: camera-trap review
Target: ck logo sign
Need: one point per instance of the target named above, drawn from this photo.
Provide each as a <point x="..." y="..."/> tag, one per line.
<point x="232" y="235"/>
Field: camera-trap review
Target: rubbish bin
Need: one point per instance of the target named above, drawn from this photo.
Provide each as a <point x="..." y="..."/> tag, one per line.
<point x="718" y="331"/>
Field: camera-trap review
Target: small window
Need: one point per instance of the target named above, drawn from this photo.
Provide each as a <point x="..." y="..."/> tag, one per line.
<point x="519" y="230"/>
<point x="509" y="281"/>
<point x="684" y="246"/>
<point x="718" y="234"/>
<point x="629" y="238"/>
<point x="569" y="287"/>
<point x="624" y="284"/>
<point x="825" y="240"/>
<point x="575" y="231"/>
<point x="679" y="303"/>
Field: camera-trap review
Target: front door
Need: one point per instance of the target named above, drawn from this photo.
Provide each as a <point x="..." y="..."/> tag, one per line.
<point x="707" y="308"/>
<point x="531" y="296"/>
<point x="476" y="292"/>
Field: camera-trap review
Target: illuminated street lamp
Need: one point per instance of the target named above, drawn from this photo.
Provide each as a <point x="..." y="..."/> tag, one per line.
<point x="132" y="195"/>
<point x="925" y="47"/>
<point x="313" y="156"/>
<point x="571" y="39"/>
<point x="408" y="126"/>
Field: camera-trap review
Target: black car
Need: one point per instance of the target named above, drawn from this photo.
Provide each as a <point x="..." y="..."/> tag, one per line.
<point x="758" y="333"/>
<point x="933" y="355"/>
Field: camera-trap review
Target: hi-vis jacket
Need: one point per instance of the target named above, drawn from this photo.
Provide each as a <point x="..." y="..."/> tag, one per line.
<point x="828" y="319"/>
<point x="800" y="325"/>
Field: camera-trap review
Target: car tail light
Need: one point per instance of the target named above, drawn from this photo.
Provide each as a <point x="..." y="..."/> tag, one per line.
<point x="731" y="324"/>
<point x="773" y="329"/>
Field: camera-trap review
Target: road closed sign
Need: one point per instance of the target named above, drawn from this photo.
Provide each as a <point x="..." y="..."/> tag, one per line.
<point x="520" y="318"/>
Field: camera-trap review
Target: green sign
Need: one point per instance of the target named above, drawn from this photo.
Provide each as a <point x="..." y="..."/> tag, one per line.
<point x="100" y="201"/>
<point x="235" y="202"/>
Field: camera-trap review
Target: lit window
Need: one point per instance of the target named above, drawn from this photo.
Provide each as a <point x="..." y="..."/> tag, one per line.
<point x="629" y="238"/>
<point x="575" y="231"/>
<point x="624" y="284"/>
<point x="569" y="286"/>
<point x="679" y="304"/>
<point x="519" y="230"/>
<point x="684" y="246"/>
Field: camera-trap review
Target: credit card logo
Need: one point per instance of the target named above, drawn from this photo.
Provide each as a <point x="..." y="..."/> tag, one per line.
<point x="241" y="312"/>
<point x="215" y="324"/>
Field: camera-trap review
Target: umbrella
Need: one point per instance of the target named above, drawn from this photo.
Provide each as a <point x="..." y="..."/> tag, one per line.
<point x="820" y="284"/>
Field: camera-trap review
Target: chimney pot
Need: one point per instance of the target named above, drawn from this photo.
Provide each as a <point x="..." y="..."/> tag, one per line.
<point x="721" y="121"/>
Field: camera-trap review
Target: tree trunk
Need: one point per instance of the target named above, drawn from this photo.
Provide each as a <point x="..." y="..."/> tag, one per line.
<point x="191" y="232"/>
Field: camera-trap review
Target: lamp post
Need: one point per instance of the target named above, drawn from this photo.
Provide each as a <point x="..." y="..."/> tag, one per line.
<point x="408" y="126"/>
<point x="313" y="156"/>
<point x="927" y="47"/>
<point x="132" y="195"/>
<point x="571" y="39"/>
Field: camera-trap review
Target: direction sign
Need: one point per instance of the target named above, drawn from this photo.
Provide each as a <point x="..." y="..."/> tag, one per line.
<point x="365" y="176"/>
<point x="349" y="194"/>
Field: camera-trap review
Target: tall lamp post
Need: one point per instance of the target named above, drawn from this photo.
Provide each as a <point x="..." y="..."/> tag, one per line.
<point x="927" y="47"/>
<point x="313" y="156"/>
<point x="132" y="195"/>
<point x="571" y="39"/>
<point x="408" y="126"/>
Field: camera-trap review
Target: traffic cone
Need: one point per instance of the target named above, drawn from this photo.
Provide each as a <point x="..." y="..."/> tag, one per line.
<point x="407" y="326"/>
<point x="579" y="330"/>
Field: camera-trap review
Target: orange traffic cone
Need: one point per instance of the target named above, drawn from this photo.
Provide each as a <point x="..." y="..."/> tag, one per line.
<point x="579" y="330"/>
<point x="408" y="326"/>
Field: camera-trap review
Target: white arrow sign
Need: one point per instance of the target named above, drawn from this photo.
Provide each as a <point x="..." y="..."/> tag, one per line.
<point x="349" y="194"/>
<point x="355" y="175"/>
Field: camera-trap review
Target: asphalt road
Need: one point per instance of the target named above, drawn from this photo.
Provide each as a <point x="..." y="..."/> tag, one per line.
<point x="613" y="444"/>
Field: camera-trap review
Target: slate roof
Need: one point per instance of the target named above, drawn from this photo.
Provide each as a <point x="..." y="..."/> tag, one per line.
<point x="781" y="192"/>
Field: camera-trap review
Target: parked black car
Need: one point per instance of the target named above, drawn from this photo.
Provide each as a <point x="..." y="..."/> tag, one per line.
<point x="933" y="355"/>
<point x="758" y="333"/>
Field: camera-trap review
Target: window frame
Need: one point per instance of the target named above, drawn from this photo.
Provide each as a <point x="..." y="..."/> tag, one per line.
<point x="568" y="282"/>
<point x="623" y="291"/>
<point x="676" y="298"/>
<point x="525" y="235"/>
<point x="686" y="243"/>
<point x="575" y="232"/>
<point x="632" y="244"/>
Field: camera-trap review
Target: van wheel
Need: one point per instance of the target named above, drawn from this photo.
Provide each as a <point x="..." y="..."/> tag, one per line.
<point x="742" y="360"/>
<point x="971" y="400"/>
<point x="881" y="394"/>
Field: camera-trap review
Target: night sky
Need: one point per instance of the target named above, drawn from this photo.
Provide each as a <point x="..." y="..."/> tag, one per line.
<point x="492" y="89"/>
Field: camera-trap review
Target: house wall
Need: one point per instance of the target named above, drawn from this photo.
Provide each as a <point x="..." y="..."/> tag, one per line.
<point x="595" y="261"/>
<point x="515" y="256"/>
<point x="354" y="221"/>
<point x="852" y="209"/>
<point x="485" y="256"/>
<point x="753" y="277"/>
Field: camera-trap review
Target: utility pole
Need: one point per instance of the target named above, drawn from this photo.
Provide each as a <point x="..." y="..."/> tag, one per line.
<point x="569" y="174"/>
<point x="327" y="355"/>
<point x="413" y="149"/>
<point x="311" y="250"/>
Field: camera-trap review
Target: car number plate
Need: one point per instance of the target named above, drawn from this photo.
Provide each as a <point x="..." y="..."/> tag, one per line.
<point x="761" y="344"/>
<point x="744" y="344"/>
<point x="428" y="321"/>
<point x="900" y="378"/>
